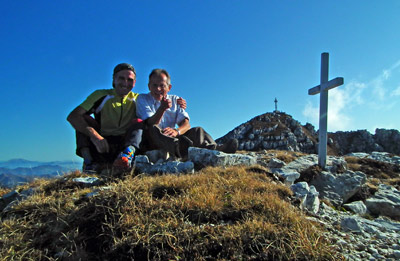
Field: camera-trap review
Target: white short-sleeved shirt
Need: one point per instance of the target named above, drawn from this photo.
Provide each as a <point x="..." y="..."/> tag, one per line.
<point x="146" y="106"/>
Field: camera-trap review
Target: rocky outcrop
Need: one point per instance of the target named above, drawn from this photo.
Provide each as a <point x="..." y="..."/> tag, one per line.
<point x="276" y="130"/>
<point x="339" y="187"/>
<point x="386" y="201"/>
<point x="354" y="141"/>
<point x="280" y="131"/>
<point x="156" y="163"/>
<point x="389" y="140"/>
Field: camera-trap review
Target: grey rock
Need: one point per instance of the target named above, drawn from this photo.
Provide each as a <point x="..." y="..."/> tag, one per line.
<point x="307" y="195"/>
<point x="14" y="197"/>
<point x="156" y="156"/>
<point x="357" y="207"/>
<point x="339" y="187"/>
<point x="8" y="198"/>
<point x="350" y="224"/>
<point x="388" y="139"/>
<point x="276" y="163"/>
<point x="300" y="189"/>
<point x="358" y="154"/>
<point x="88" y="181"/>
<point x="384" y="224"/>
<point x="396" y="254"/>
<point x="144" y="166"/>
<point x="301" y="163"/>
<point x="386" y="201"/>
<point x="289" y="177"/>
<point x="204" y="157"/>
<point x="141" y="159"/>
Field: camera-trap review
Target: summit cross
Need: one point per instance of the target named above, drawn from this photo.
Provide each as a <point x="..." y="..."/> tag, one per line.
<point x="322" y="89"/>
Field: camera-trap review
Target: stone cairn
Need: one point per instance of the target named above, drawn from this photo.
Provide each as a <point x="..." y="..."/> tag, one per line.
<point x="276" y="130"/>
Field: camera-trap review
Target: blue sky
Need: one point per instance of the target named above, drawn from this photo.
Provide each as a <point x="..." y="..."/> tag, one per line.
<point x="228" y="59"/>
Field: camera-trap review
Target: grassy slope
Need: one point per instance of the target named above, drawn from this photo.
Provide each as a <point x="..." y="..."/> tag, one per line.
<point x="215" y="214"/>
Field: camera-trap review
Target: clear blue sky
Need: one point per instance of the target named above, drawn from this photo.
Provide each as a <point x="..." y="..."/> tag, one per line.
<point x="228" y="59"/>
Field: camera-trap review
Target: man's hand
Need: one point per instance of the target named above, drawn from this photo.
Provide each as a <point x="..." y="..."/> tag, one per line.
<point x="166" y="103"/>
<point x="100" y="143"/>
<point x="170" y="132"/>
<point x="182" y="103"/>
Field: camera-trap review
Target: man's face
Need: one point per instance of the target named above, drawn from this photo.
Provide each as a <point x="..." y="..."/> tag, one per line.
<point x="123" y="82"/>
<point x="158" y="86"/>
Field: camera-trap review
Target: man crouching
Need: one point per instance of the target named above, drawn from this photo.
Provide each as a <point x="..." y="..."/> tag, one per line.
<point x="168" y="123"/>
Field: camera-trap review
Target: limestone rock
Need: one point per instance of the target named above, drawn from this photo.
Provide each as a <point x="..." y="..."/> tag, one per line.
<point x="386" y="201"/>
<point x="143" y="165"/>
<point x="357" y="207"/>
<point x="204" y="157"/>
<point x="88" y="181"/>
<point x="275" y="163"/>
<point x="308" y="196"/>
<point x="339" y="187"/>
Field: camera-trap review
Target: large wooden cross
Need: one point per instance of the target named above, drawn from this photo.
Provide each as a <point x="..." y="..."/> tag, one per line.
<point x="323" y="88"/>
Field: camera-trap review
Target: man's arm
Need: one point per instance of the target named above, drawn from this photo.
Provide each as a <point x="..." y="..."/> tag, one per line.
<point x="77" y="120"/>
<point x="182" y="103"/>
<point x="184" y="126"/>
<point x="156" y="118"/>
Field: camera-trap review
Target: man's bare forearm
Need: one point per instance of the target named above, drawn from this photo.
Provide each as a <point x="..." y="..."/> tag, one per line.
<point x="184" y="126"/>
<point x="76" y="119"/>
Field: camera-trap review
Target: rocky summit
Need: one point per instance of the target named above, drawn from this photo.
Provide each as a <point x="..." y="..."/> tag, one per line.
<point x="278" y="130"/>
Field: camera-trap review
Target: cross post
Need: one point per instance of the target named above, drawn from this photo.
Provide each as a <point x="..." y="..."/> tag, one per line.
<point x="322" y="89"/>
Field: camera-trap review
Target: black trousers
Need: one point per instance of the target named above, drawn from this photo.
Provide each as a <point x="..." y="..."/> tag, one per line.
<point x="200" y="138"/>
<point x="132" y="137"/>
<point x="194" y="137"/>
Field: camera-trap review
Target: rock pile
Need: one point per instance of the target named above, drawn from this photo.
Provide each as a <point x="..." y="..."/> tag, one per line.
<point x="275" y="130"/>
<point x="357" y="237"/>
<point x="280" y="131"/>
<point x="384" y="140"/>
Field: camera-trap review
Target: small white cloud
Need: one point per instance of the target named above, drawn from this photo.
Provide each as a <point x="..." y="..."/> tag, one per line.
<point x="396" y="92"/>
<point x="386" y="74"/>
<point x="337" y="116"/>
<point x="354" y="93"/>
<point x="343" y="99"/>
<point x="378" y="84"/>
<point x="337" y="119"/>
<point x="377" y="88"/>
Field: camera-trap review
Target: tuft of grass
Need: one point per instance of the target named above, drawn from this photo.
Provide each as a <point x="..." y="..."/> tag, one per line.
<point x="215" y="214"/>
<point x="377" y="171"/>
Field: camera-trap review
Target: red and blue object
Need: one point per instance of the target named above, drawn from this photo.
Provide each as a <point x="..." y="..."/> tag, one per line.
<point x="124" y="159"/>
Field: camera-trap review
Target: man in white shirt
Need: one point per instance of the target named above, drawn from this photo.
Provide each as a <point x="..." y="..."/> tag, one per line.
<point x="168" y="123"/>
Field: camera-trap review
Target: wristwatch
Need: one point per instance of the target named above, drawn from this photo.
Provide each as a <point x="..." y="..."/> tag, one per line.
<point x="177" y="130"/>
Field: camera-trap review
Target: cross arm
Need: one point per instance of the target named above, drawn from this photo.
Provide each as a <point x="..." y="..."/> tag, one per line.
<point x="326" y="86"/>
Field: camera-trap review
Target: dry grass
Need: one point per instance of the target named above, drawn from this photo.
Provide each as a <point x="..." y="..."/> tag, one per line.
<point x="283" y="155"/>
<point x="377" y="171"/>
<point x="215" y="214"/>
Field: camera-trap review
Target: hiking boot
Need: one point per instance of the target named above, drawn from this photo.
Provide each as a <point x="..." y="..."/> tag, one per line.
<point x="184" y="144"/>
<point x="89" y="168"/>
<point x="229" y="147"/>
<point x="124" y="159"/>
<point x="164" y="142"/>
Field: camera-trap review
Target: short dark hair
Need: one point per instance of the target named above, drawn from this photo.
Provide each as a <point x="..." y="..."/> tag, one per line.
<point x="158" y="72"/>
<point x="123" y="66"/>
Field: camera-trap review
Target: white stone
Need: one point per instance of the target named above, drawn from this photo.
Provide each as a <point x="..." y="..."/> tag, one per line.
<point x="205" y="157"/>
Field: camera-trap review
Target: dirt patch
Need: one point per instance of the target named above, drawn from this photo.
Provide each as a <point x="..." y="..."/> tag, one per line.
<point x="376" y="169"/>
<point x="310" y="173"/>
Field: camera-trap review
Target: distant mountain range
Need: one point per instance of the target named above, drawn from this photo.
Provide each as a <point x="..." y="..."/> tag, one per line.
<point x="18" y="171"/>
